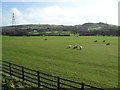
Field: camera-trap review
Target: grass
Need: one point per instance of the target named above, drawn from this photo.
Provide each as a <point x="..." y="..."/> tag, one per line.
<point x="96" y="64"/>
<point x="56" y="32"/>
<point x="10" y="83"/>
<point x="51" y="33"/>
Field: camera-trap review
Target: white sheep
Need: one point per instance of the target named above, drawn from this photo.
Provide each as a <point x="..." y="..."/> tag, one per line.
<point x="81" y="47"/>
<point x="69" y="46"/>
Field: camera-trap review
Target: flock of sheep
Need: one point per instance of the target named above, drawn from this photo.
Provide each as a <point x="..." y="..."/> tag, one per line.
<point x="103" y="41"/>
<point x="80" y="47"/>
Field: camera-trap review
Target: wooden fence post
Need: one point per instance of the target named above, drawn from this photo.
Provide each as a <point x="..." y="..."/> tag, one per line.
<point x="38" y="76"/>
<point x="82" y="87"/>
<point x="22" y="73"/>
<point x="58" y="83"/>
<point x="10" y="68"/>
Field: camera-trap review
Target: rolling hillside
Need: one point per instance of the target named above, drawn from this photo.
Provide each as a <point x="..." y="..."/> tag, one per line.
<point x="87" y="29"/>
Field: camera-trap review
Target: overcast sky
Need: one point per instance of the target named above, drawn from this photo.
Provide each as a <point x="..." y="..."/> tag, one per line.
<point x="59" y="12"/>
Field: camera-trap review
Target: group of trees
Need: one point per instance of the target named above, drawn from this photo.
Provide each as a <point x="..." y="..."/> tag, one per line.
<point x="13" y="31"/>
<point x="87" y="29"/>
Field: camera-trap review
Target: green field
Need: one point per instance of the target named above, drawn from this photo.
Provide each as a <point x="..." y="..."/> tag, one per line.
<point x="51" y="33"/>
<point x="96" y="64"/>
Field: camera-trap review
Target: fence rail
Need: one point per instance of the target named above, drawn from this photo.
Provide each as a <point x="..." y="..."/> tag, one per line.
<point x="40" y="79"/>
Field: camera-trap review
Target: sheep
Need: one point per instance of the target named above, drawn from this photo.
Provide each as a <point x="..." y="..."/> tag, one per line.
<point x="69" y="46"/>
<point x="107" y="43"/>
<point x="103" y="40"/>
<point x="81" y="47"/>
<point x="75" y="47"/>
<point x="95" y="41"/>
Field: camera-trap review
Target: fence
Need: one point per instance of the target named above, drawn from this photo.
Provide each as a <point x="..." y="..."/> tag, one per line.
<point x="42" y="80"/>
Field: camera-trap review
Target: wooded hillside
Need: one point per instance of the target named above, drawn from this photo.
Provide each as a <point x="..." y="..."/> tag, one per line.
<point x="87" y="29"/>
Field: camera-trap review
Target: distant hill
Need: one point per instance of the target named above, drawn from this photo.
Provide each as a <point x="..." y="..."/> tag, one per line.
<point x="96" y="26"/>
<point x="85" y="28"/>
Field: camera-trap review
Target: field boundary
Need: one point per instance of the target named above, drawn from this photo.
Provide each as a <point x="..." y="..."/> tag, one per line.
<point x="40" y="79"/>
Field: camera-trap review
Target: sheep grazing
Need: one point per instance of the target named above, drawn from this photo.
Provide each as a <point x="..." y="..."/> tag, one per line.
<point x="75" y="47"/>
<point x="95" y="41"/>
<point x="81" y="47"/>
<point x="108" y="44"/>
<point x="69" y="46"/>
<point x="103" y="40"/>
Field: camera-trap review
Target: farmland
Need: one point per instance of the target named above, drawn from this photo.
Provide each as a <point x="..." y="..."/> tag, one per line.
<point x="96" y="64"/>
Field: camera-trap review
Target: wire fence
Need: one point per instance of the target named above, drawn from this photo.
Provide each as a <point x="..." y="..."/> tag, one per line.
<point x="42" y="80"/>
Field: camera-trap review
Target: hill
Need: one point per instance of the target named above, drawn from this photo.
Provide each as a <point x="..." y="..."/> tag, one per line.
<point x="85" y="29"/>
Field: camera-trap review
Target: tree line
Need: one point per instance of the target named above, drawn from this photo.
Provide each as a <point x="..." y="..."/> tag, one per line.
<point x="87" y="29"/>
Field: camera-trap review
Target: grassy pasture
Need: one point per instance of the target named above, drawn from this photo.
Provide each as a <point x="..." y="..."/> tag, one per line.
<point x="96" y="64"/>
<point x="52" y="33"/>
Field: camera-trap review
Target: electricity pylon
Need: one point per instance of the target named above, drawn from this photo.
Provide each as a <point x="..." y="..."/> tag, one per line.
<point x="13" y="20"/>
